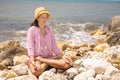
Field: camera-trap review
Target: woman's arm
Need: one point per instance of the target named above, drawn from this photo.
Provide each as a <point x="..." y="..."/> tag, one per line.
<point x="30" y="44"/>
<point x="55" y="48"/>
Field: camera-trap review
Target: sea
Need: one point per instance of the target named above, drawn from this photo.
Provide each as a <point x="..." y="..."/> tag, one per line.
<point x="71" y="20"/>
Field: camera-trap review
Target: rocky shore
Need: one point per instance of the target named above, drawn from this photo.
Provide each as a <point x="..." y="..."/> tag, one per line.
<point x="99" y="60"/>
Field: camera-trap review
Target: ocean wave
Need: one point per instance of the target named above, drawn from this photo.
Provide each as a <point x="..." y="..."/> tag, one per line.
<point x="74" y="33"/>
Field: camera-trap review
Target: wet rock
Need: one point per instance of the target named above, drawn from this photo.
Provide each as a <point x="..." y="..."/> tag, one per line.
<point x="98" y="32"/>
<point x="101" y="47"/>
<point x="25" y="77"/>
<point x="62" y="45"/>
<point x="8" y="44"/>
<point x="114" y="24"/>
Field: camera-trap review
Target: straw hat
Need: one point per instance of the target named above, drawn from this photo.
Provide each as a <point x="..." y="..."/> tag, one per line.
<point x="41" y="10"/>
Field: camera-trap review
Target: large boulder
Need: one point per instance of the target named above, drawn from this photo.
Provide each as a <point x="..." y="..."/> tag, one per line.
<point x="10" y="49"/>
<point x="113" y="38"/>
<point x="115" y="24"/>
<point x="99" y="65"/>
<point x="21" y="69"/>
<point x="20" y="59"/>
<point x="112" y="55"/>
<point x="85" y="75"/>
<point x="49" y="75"/>
<point x="8" y="44"/>
<point x="13" y="51"/>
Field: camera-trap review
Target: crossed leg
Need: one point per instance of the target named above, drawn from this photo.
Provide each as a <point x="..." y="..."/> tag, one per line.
<point x="57" y="63"/>
<point x="43" y="63"/>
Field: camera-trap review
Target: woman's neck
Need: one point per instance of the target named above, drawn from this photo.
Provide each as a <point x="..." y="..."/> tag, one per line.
<point x="41" y="26"/>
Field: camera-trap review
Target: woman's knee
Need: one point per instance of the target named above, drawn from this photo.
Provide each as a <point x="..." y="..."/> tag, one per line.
<point x="65" y="65"/>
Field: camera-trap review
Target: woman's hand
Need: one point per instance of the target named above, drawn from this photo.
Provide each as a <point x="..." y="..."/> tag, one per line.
<point x="32" y="60"/>
<point x="38" y="65"/>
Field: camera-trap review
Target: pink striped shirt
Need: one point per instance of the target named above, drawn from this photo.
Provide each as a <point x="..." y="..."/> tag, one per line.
<point x="39" y="45"/>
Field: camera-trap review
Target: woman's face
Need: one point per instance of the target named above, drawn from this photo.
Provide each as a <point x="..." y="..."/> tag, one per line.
<point x="42" y="19"/>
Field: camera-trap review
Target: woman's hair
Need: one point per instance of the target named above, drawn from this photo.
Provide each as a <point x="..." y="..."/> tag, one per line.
<point x="34" y="23"/>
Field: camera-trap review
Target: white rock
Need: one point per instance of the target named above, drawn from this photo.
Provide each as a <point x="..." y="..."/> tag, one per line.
<point x="25" y="77"/>
<point x="48" y="75"/>
<point x="21" y="69"/>
<point x="99" y="65"/>
<point x="85" y="75"/>
<point x="61" y="77"/>
<point x="72" y="71"/>
<point x="91" y="78"/>
<point x="77" y="63"/>
<point x="111" y="71"/>
<point x="2" y="78"/>
<point x="53" y="70"/>
<point x="116" y="77"/>
<point x="99" y="77"/>
<point x="81" y="69"/>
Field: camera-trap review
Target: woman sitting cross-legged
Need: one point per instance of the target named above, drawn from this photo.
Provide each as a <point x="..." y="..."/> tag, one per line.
<point x="41" y="45"/>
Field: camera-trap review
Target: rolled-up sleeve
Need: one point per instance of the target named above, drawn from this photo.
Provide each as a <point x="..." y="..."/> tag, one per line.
<point x="55" y="48"/>
<point x="30" y="41"/>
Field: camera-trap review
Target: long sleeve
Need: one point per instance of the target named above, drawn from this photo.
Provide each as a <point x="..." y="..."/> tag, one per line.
<point x="55" y="48"/>
<point x="30" y="41"/>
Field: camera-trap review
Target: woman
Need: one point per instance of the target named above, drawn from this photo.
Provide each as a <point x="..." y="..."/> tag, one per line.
<point x="42" y="48"/>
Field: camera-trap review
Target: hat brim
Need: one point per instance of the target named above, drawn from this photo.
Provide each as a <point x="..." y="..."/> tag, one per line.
<point x="43" y="12"/>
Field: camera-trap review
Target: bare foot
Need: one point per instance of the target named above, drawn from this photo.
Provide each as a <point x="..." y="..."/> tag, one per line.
<point x="32" y="68"/>
<point x="38" y="65"/>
